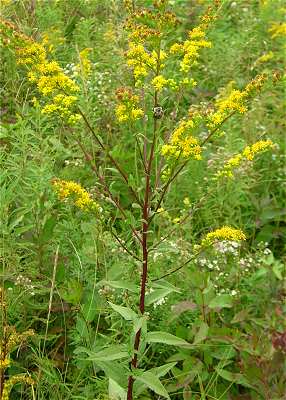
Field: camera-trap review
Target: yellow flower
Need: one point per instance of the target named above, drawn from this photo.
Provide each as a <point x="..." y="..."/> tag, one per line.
<point x="85" y="64"/>
<point x="128" y="108"/>
<point x="159" y="82"/>
<point x="250" y="151"/>
<point x="81" y="198"/>
<point x="246" y="155"/>
<point x="4" y="363"/>
<point x="191" y="47"/>
<point x="182" y="143"/>
<point x="140" y="60"/>
<point x="224" y="233"/>
<point x="8" y="385"/>
<point x="234" y="101"/>
<point x="277" y="29"/>
<point x="51" y="81"/>
<point x="136" y="113"/>
<point x="187" y="201"/>
<point x="265" y="57"/>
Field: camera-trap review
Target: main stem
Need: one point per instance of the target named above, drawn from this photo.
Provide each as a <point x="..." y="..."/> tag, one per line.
<point x="145" y="228"/>
<point x="144" y="243"/>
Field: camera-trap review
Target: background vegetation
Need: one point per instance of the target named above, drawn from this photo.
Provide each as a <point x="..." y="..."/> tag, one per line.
<point x="61" y="268"/>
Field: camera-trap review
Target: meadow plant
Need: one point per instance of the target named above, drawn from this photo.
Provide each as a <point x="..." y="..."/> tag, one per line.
<point x="167" y="142"/>
<point x="10" y="339"/>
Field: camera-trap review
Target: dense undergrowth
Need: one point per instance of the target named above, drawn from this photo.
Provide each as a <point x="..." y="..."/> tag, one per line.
<point x="212" y="325"/>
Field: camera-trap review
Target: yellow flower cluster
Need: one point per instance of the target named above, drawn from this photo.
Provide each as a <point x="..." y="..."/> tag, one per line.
<point x="51" y="82"/>
<point x="190" y="48"/>
<point x="224" y="233"/>
<point x="4" y="363"/>
<point x="8" y="385"/>
<point x="277" y="29"/>
<point x="84" y="67"/>
<point x="6" y="347"/>
<point x="127" y="109"/>
<point x="248" y="153"/>
<point x="235" y="101"/>
<point x="10" y="34"/>
<point x="182" y="142"/>
<point x="142" y="61"/>
<point x="52" y="38"/>
<point x="81" y="198"/>
<point x="159" y="82"/>
<point x="265" y="57"/>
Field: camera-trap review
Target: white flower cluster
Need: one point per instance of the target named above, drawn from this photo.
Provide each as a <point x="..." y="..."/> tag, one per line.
<point x="227" y="247"/>
<point x="159" y="302"/>
<point x="26" y="283"/>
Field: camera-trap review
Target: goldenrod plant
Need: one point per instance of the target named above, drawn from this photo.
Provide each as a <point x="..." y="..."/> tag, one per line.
<point x="157" y="131"/>
<point x="9" y="340"/>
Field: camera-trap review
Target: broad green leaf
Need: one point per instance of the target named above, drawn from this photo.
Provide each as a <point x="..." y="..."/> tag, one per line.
<point x="166" y="338"/>
<point x="109" y="354"/>
<point x="158" y="291"/>
<point x="163" y="370"/>
<point x="22" y="229"/>
<point x="156" y="295"/>
<point x="48" y="229"/>
<point x="153" y="383"/>
<point x="138" y="323"/>
<point x="140" y="387"/>
<point x="115" y="370"/>
<point x="202" y="333"/>
<point x="277" y="268"/>
<point x="221" y="301"/>
<point x="121" y="285"/>
<point x="234" y="377"/>
<point x="115" y="391"/>
<point x="89" y="309"/>
<point x="240" y="316"/>
<point x="73" y="292"/>
<point x="224" y="352"/>
<point x="125" y="312"/>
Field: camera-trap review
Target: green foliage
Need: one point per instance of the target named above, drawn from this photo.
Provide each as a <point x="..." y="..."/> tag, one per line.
<point x="214" y="324"/>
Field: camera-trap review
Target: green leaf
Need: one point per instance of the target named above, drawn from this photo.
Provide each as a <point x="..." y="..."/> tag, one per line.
<point x="48" y="229"/>
<point x="139" y="387"/>
<point x="115" y="391"/>
<point x="234" y="377"/>
<point x="116" y="370"/>
<point x="277" y="268"/>
<point x="73" y="292"/>
<point x="109" y="354"/>
<point x="240" y="316"/>
<point x="159" y="291"/>
<point x="89" y="309"/>
<point x="156" y="295"/>
<point x="138" y="323"/>
<point x="163" y="370"/>
<point x="125" y="312"/>
<point x="166" y="338"/>
<point x="221" y="301"/>
<point x="22" y="229"/>
<point x="153" y="383"/>
<point x="202" y="333"/>
<point x="224" y="352"/>
<point x="120" y="285"/>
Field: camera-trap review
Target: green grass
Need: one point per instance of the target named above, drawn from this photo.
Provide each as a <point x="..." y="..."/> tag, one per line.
<point x="66" y="299"/>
